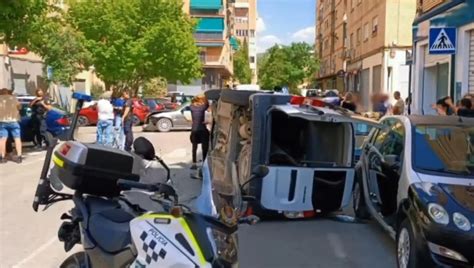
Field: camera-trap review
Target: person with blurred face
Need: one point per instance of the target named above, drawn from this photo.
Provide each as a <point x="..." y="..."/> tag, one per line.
<point x="9" y="126"/>
<point x="39" y="106"/>
<point x="105" y="124"/>
<point x="127" y="121"/>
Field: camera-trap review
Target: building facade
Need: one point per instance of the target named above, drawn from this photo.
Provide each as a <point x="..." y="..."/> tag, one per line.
<point x="362" y="45"/>
<point x="435" y="76"/>
<point x="212" y="35"/>
<point x="245" y="29"/>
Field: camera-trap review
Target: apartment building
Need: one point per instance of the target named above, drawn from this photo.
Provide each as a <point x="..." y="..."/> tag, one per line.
<point x="362" y="45"/>
<point x="245" y="29"/>
<point x="435" y="76"/>
<point x="213" y="37"/>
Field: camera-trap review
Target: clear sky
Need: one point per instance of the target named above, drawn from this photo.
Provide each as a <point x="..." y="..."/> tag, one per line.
<point x="285" y="21"/>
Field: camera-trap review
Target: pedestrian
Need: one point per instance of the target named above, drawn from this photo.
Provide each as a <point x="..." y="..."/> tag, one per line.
<point x="199" y="132"/>
<point x="105" y="124"/>
<point x="399" y="105"/>
<point x="348" y="102"/>
<point x="127" y="120"/>
<point x="39" y="106"/>
<point x="444" y="106"/>
<point x="9" y="117"/>
<point x="465" y="108"/>
<point x="118" y="104"/>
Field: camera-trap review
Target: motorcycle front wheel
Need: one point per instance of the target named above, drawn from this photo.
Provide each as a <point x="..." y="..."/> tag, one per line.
<point x="76" y="260"/>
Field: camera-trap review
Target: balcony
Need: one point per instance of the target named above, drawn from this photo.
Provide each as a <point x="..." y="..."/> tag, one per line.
<point x="206" y="4"/>
<point x="210" y="25"/>
<point x="209" y="36"/>
<point x="207" y="59"/>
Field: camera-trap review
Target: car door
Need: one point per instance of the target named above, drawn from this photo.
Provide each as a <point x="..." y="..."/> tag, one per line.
<point x="183" y="117"/>
<point x="384" y="161"/>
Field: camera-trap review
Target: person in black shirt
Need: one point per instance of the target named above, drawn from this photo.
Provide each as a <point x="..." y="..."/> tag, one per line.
<point x="199" y="132"/>
<point x="127" y="121"/>
<point x="39" y="106"/>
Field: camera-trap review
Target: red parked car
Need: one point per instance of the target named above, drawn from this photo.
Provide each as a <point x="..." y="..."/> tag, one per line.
<point x="88" y="116"/>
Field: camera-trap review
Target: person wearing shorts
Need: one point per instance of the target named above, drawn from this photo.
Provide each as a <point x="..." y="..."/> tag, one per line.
<point x="9" y="126"/>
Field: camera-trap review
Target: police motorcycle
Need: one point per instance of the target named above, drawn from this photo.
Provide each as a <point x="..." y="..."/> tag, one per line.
<point x="115" y="232"/>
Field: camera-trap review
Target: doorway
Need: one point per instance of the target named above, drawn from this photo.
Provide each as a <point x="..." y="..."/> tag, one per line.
<point x="435" y="85"/>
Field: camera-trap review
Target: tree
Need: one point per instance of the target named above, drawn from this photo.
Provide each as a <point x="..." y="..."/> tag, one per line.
<point x="156" y="87"/>
<point x="287" y="66"/>
<point x="41" y="28"/>
<point x="134" y="41"/>
<point x="242" y="71"/>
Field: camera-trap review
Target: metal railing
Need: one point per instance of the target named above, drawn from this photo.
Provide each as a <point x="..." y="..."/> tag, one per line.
<point x="208" y="36"/>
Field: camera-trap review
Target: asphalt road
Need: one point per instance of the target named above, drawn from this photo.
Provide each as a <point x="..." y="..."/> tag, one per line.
<point x="29" y="239"/>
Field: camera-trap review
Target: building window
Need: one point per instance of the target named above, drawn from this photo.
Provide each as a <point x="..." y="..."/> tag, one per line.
<point x="375" y="25"/>
<point x="252" y="59"/>
<point x="351" y="40"/>
<point x="358" y="35"/>
<point x="366" y="32"/>
<point x="252" y="33"/>
<point x="353" y="4"/>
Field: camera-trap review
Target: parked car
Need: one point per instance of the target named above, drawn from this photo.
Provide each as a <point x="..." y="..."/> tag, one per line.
<point x="416" y="179"/>
<point x="154" y="104"/>
<point x="88" y="115"/>
<point x="179" y="119"/>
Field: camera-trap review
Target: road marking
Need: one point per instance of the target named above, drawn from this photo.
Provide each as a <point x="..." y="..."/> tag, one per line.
<point x="337" y="245"/>
<point x="36" y="252"/>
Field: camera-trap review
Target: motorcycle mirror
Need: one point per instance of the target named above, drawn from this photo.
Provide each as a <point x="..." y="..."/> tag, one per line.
<point x="144" y="148"/>
<point x="260" y="171"/>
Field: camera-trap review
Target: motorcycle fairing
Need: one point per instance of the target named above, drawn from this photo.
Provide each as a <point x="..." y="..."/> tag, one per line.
<point x="165" y="241"/>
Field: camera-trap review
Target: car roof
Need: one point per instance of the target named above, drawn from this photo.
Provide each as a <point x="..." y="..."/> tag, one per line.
<point x="439" y="120"/>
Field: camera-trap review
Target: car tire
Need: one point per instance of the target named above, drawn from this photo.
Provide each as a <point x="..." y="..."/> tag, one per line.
<point x="406" y="246"/>
<point x="237" y="97"/>
<point x="358" y="201"/>
<point x="82" y="121"/>
<point x="76" y="260"/>
<point x="164" y="125"/>
<point x="136" y="121"/>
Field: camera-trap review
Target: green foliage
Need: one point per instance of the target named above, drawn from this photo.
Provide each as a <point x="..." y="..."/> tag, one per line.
<point x="134" y="41"/>
<point x="242" y="71"/>
<point x="287" y="66"/>
<point x="15" y="18"/>
<point x="155" y="88"/>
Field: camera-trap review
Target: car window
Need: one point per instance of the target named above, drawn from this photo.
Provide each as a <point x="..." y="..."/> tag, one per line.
<point x="390" y="139"/>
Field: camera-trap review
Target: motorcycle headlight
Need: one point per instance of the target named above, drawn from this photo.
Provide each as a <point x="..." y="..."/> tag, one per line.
<point x="225" y="245"/>
<point x="438" y="214"/>
<point x="461" y="221"/>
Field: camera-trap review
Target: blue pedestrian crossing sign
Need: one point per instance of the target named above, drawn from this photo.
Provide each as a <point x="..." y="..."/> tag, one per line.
<point x="442" y="40"/>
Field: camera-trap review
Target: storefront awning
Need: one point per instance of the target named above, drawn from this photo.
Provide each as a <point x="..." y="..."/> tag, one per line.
<point x="206" y="25"/>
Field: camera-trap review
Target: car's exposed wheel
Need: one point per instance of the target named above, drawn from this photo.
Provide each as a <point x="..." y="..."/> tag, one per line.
<point x="237" y="97"/>
<point x="76" y="260"/>
<point x="358" y="201"/>
<point x="82" y="121"/>
<point x="136" y="121"/>
<point x="164" y="125"/>
<point x="406" y="249"/>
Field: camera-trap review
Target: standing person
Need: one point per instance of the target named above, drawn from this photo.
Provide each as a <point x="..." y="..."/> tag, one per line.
<point x="199" y="132"/>
<point x="127" y="121"/>
<point x="39" y="106"/>
<point x="106" y="120"/>
<point x="399" y="105"/>
<point x="9" y="117"/>
<point x="348" y="102"/>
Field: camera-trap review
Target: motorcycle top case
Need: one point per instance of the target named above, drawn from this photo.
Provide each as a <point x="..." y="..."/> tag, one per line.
<point x="93" y="169"/>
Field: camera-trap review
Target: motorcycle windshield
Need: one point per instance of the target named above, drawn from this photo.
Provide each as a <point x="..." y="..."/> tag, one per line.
<point x="226" y="195"/>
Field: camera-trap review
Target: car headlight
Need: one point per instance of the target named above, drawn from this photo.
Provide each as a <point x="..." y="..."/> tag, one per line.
<point x="224" y="245"/>
<point x="438" y="214"/>
<point x="461" y="221"/>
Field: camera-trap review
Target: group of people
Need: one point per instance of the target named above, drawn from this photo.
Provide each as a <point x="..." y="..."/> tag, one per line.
<point x="446" y="107"/>
<point x="10" y="126"/>
<point x="380" y="103"/>
<point x="115" y="121"/>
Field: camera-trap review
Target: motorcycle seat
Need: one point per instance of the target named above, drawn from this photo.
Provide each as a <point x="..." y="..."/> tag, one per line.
<point x="109" y="225"/>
